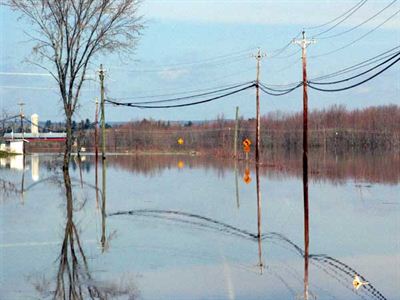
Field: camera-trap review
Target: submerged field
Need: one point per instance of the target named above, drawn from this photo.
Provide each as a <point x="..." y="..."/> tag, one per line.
<point x="187" y="227"/>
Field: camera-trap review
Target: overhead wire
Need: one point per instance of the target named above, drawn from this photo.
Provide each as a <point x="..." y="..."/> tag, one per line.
<point x="282" y="93"/>
<point x="335" y="19"/>
<point x="290" y="87"/>
<point x="350" y="13"/>
<point x="220" y="88"/>
<point x="216" y="62"/>
<point x="358" y="39"/>
<point x="359" y="25"/>
<point x="282" y="49"/>
<point x="181" y="105"/>
<point x="358" y="65"/>
<point x="358" y="75"/>
<point x="219" y="57"/>
<point x="354" y="85"/>
<point x="9" y="118"/>
<point x="188" y="97"/>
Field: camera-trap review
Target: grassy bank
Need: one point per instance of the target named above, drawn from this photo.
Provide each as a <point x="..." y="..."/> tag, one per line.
<point x="4" y="154"/>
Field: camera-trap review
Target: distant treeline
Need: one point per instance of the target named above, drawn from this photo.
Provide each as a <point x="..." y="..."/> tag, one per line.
<point x="333" y="129"/>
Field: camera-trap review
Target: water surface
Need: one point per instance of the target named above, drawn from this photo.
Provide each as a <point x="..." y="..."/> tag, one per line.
<point x="182" y="227"/>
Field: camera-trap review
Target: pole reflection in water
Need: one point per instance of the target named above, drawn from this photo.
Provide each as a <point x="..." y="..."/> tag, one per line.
<point x="79" y="162"/>
<point x="260" y="262"/>
<point x="237" y="184"/>
<point x="96" y="179"/>
<point x="35" y="166"/>
<point x="103" y="206"/>
<point x="23" y="178"/>
<point x="306" y="225"/>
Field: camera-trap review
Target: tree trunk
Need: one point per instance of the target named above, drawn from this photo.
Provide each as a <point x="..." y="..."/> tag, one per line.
<point x="69" y="140"/>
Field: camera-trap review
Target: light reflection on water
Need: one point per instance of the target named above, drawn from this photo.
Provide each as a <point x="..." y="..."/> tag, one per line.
<point x="190" y="228"/>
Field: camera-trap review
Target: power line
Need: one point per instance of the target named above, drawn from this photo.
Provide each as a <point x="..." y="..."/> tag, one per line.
<point x="293" y="85"/>
<point x="356" y="40"/>
<point x="359" y="25"/>
<point x="335" y="19"/>
<point x="190" y="96"/>
<point x="354" y="85"/>
<point x="358" y="65"/>
<point x="289" y="55"/>
<point x="177" y="67"/>
<point x="25" y="74"/>
<point x="358" y="75"/>
<point x="181" y="105"/>
<point x="212" y="59"/>
<point x="9" y="118"/>
<point x="361" y="4"/>
<point x="282" y="93"/>
<point x="282" y="49"/>
<point x="220" y="88"/>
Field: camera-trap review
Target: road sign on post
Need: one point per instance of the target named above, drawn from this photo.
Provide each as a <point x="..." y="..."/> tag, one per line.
<point x="246" y="147"/>
<point x="180" y="141"/>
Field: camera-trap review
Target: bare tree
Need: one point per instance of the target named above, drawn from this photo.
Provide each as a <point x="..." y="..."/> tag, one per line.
<point x="68" y="34"/>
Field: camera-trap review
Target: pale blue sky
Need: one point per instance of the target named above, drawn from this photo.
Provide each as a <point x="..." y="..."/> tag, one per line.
<point x="179" y="33"/>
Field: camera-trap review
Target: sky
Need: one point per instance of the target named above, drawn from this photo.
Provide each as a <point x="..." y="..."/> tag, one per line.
<point x="197" y="45"/>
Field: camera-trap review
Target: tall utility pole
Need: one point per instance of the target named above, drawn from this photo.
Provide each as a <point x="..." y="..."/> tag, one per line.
<point x="304" y="43"/>
<point x="96" y="123"/>
<point x="258" y="56"/>
<point x="103" y="155"/>
<point x="21" y="115"/>
<point x="103" y="125"/>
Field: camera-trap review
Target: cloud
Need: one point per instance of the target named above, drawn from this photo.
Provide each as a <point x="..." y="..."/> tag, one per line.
<point x="172" y="74"/>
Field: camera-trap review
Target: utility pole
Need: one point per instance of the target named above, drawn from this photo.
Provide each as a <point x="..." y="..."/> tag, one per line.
<point x="96" y="123"/>
<point x="258" y="56"/>
<point x="103" y="155"/>
<point x="103" y="125"/>
<point x="304" y="43"/>
<point x="21" y="115"/>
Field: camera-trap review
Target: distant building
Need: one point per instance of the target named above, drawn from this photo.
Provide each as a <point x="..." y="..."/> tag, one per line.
<point x="16" y="146"/>
<point x="34" y="140"/>
<point x="35" y="135"/>
<point x="40" y="136"/>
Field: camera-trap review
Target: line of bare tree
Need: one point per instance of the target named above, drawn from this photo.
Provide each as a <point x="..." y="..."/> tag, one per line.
<point x="335" y="129"/>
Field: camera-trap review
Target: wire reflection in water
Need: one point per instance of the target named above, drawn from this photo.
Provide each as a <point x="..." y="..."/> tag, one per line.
<point x="326" y="263"/>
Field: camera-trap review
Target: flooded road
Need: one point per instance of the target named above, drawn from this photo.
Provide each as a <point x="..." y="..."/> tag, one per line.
<point x="183" y="227"/>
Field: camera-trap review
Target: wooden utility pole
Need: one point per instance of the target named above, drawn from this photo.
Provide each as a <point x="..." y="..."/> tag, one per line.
<point x="103" y="156"/>
<point x="21" y="115"/>
<point x="103" y="125"/>
<point x="303" y="43"/>
<point x="96" y="122"/>
<point x="235" y="137"/>
<point x="258" y="56"/>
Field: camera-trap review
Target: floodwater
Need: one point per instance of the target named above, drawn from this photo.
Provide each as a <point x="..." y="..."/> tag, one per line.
<point x="183" y="227"/>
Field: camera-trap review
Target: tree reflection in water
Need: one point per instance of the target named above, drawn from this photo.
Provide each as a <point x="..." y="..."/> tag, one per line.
<point x="74" y="279"/>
